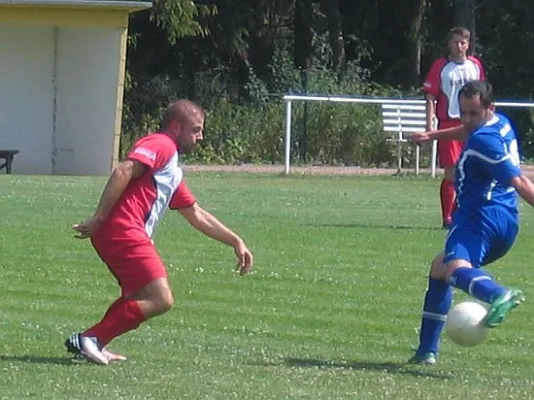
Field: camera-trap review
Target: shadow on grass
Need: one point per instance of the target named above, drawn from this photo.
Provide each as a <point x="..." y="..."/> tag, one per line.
<point x="39" y="360"/>
<point x="375" y="226"/>
<point x="390" y="368"/>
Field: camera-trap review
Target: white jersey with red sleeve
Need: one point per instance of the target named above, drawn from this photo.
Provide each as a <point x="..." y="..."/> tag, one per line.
<point x="444" y="81"/>
<point x="142" y="205"/>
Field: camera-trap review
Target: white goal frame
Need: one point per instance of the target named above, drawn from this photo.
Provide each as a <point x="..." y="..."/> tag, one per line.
<point x="289" y="99"/>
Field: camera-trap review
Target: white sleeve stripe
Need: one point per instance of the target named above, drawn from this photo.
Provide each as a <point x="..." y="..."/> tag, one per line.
<point x="145" y="152"/>
<point x="485" y="158"/>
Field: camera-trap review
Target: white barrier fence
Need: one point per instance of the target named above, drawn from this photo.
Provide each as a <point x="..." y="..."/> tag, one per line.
<point x="289" y="99"/>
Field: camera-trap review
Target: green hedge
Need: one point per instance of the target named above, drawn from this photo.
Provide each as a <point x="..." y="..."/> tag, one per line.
<point x="246" y="122"/>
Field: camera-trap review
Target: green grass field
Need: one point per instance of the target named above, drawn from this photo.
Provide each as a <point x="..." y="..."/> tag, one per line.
<point x="330" y="312"/>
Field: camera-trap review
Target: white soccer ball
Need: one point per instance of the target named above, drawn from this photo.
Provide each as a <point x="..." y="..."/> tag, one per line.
<point x="465" y="324"/>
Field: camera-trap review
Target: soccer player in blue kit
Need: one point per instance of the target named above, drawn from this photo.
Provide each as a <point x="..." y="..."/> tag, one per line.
<point x="485" y="225"/>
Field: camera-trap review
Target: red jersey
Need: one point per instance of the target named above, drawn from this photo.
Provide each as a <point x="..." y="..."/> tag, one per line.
<point x="444" y="81"/>
<point x="142" y="205"/>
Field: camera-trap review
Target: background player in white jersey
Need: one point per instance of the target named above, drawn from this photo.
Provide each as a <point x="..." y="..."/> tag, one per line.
<point x="442" y="84"/>
<point x="485" y="225"/>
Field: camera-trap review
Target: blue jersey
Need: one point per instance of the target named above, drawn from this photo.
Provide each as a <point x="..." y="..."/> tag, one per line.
<point x="489" y="161"/>
<point x="485" y="224"/>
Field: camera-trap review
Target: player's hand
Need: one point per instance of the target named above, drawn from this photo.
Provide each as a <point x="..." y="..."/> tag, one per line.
<point x="244" y="258"/>
<point x="87" y="228"/>
<point x="419" y="137"/>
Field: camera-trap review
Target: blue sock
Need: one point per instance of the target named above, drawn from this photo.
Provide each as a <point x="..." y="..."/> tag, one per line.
<point x="438" y="301"/>
<point x="477" y="283"/>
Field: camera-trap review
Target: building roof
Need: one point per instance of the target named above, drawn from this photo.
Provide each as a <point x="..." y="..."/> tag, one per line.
<point x="114" y="5"/>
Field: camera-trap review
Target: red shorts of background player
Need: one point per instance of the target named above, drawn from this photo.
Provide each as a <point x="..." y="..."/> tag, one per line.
<point x="134" y="265"/>
<point x="449" y="150"/>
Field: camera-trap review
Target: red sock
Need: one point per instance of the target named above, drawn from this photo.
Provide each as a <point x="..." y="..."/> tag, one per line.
<point x="116" y="304"/>
<point x="121" y="317"/>
<point x="447" y="199"/>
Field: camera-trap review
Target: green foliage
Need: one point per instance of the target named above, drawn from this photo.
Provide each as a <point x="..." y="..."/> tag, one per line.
<point x="237" y="58"/>
<point x="178" y="17"/>
<point x="248" y="125"/>
<point x="346" y="134"/>
<point x="504" y="45"/>
<point x="239" y="134"/>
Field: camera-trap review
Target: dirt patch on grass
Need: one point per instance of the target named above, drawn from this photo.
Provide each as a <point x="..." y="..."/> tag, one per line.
<point x="528" y="170"/>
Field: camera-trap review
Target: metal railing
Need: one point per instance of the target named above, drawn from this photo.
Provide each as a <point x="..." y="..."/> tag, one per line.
<point x="289" y="99"/>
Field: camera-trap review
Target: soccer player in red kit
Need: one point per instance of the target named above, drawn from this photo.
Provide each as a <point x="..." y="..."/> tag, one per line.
<point x="446" y="77"/>
<point x="134" y="199"/>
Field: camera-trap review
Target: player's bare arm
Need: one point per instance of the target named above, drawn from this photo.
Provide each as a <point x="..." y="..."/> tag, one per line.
<point x="455" y="133"/>
<point x="212" y="227"/>
<point x="525" y="188"/>
<point x="115" y="186"/>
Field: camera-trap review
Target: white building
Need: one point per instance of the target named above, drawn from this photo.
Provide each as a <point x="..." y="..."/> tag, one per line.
<point x="62" y="67"/>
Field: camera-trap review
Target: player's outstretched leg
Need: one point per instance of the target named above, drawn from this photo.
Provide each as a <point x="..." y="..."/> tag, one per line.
<point x="502" y="305"/>
<point x="438" y="299"/>
<point x="479" y="284"/>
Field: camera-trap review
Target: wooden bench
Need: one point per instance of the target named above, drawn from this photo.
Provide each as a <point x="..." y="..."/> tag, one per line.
<point x="403" y="120"/>
<point x="8" y="156"/>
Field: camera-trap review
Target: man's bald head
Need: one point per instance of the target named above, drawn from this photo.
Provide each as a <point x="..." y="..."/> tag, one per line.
<point x="181" y="111"/>
<point x="183" y="121"/>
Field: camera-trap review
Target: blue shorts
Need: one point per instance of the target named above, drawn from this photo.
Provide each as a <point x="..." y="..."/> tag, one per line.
<point x="481" y="237"/>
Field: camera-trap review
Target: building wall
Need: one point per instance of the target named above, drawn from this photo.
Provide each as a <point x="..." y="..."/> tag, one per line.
<point x="87" y="75"/>
<point x="62" y="73"/>
<point x="27" y="96"/>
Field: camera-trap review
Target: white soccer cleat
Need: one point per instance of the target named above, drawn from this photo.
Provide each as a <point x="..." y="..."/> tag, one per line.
<point x="87" y="347"/>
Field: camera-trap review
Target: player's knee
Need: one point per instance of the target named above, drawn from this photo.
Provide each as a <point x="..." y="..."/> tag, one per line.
<point x="437" y="269"/>
<point x="163" y="302"/>
<point x="168" y="302"/>
<point x="452" y="266"/>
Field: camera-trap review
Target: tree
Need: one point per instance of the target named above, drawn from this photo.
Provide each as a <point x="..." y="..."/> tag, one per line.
<point x="464" y="15"/>
<point x="399" y="40"/>
<point x="303" y="33"/>
<point x="415" y="42"/>
<point x="335" y="32"/>
<point x="178" y="17"/>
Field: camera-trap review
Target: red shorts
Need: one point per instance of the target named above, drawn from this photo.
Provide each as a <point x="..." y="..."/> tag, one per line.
<point x="133" y="265"/>
<point x="449" y="150"/>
